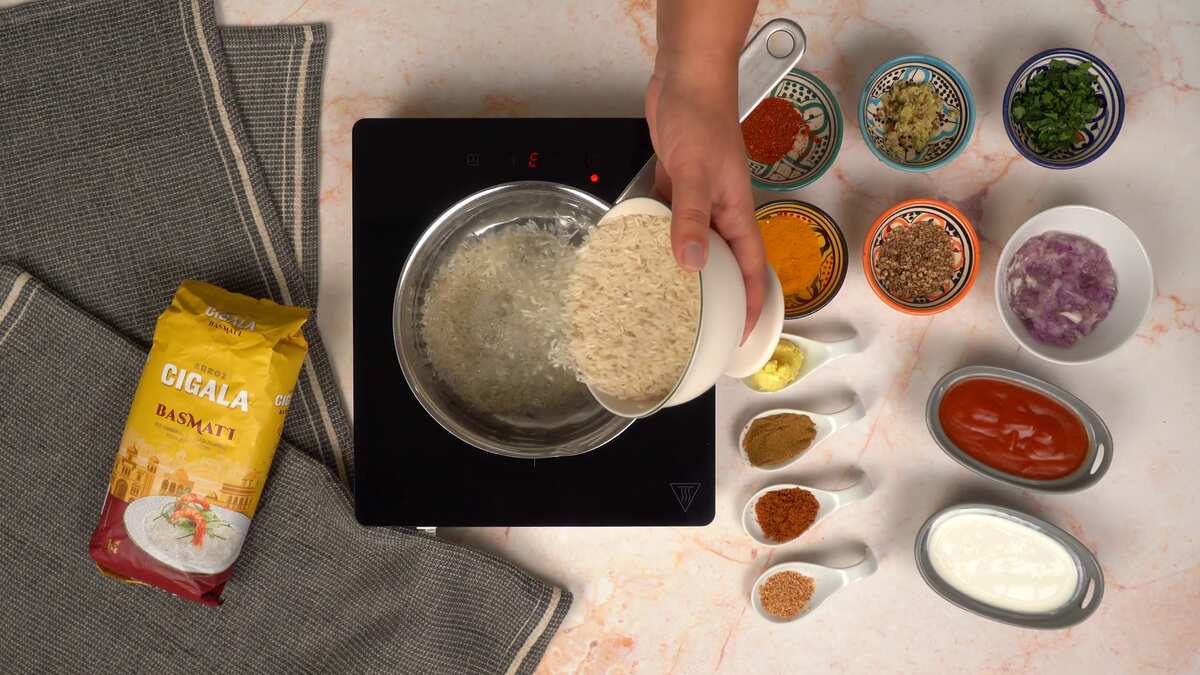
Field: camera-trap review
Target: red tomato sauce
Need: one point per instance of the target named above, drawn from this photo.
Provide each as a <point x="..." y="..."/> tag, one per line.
<point x="1014" y="429"/>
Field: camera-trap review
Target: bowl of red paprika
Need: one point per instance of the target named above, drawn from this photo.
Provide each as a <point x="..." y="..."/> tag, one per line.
<point x="793" y="136"/>
<point x="1018" y="430"/>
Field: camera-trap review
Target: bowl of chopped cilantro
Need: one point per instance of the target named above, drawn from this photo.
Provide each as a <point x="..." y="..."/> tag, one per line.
<point x="1063" y="108"/>
<point x="916" y="113"/>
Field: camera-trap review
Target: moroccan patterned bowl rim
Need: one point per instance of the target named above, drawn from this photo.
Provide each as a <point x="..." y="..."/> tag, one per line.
<point x="970" y="256"/>
<point x="968" y="113"/>
<point x="828" y="225"/>
<point x="1100" y="68"/>
<point x="837" y="122"/>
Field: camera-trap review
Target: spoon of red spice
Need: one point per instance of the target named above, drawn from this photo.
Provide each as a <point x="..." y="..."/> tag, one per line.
<point x="792" y="513"/>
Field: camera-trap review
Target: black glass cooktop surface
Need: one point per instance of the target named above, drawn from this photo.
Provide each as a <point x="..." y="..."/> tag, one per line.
<point x="410" y="471"/>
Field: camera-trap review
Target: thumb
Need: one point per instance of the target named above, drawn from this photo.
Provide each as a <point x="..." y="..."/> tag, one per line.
<point x="690" y="208"/>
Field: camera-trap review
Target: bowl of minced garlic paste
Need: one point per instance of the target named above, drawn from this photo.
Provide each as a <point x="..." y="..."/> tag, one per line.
<point x="783" y="368"/>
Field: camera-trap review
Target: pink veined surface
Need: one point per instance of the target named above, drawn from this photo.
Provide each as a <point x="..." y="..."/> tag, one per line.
<point x="676" y="600"/>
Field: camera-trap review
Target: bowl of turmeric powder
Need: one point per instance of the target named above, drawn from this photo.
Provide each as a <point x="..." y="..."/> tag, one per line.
<point x="807" y="249"/>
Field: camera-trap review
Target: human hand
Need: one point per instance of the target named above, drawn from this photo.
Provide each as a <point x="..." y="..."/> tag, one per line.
<point x="702" y="172"/>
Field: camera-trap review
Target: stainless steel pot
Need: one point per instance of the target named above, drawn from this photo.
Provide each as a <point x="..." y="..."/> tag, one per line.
<point x="766" y="59"/>
<point x="562" y="434"/>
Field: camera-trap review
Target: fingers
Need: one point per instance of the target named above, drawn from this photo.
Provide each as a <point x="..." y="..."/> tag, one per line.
<point x="755" y="278"/>
<point x="653" y="89"/>
<point x="735" y="221"/>
<point x="691" y="205"/>
<point x="662" y="181"/>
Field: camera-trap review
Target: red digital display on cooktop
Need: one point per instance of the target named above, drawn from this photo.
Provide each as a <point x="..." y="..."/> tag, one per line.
<point x="411" y="472"/>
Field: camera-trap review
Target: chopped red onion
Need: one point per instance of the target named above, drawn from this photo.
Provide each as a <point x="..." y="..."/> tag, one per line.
<point x="1060" y="285"/>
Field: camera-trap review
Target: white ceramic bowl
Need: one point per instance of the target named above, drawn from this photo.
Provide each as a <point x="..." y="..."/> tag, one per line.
<point x="722" y="319"/>
<point x="1135" y="281"/>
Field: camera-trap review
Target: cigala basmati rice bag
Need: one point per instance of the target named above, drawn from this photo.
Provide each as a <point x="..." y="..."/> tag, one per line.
<point x="198" y="443"/>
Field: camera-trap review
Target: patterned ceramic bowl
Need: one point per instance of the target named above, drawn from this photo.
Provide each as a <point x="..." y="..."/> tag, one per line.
<point x="957" y="113"/>
<point x="1097" y="135"/>
<point x="964" y="241"/>
<point x="834" y="257"/>
<point x="818" y="143"/>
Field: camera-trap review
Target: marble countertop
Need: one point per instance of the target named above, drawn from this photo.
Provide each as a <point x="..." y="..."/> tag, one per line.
<point x="675" y="600"/>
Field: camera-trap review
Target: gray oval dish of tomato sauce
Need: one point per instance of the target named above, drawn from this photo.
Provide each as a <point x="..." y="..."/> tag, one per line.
<point x="1100" y="442"/>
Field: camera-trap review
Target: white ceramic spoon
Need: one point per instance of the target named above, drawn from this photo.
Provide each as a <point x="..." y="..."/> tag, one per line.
<point x="816" y="354"/>
<point x="829" y="501"/>
<point x="826" y="426"/>
<point x="827" y="581"/>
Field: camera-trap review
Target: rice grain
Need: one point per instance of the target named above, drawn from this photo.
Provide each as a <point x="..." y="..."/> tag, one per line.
<point x="493" y="315"/>
<point x="632" y="312"/>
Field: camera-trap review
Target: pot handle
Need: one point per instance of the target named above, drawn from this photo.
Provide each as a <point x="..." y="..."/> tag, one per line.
<point x="773" y="51"/>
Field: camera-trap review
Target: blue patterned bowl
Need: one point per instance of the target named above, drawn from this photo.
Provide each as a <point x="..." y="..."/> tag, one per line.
<point x="1096" y="136"/>
<point x="958" y="111"/>
<point x="816" y="148"/>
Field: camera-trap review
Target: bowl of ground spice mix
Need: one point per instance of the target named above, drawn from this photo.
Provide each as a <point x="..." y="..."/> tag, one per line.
<point x="807" y="250"/>
<point x="921" y="256"/>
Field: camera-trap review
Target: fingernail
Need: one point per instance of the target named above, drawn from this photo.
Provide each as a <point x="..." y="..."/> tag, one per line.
<point x="693" y="256"/>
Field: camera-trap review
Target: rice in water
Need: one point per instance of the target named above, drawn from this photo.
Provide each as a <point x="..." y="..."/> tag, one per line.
<point x="632" y="312"/>
<point x="492" y="316"/>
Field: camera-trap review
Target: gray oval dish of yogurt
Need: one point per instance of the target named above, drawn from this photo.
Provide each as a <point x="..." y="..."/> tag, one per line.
<point x="1089" y="586"/>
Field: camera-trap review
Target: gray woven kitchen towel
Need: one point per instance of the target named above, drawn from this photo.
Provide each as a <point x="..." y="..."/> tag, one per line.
<point x="136" y="150"/>
<point x="313" y="591"/>
<point x="276" y="75"/>
<point x="125" y="166"/>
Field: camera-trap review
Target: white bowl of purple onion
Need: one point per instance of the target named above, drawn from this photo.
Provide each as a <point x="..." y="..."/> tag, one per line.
<point x="1073" y="284"/>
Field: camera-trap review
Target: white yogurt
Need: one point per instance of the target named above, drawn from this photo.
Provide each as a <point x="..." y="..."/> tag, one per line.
<point x="1003" y="563"/>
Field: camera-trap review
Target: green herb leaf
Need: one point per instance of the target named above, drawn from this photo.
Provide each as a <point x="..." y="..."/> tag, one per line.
<point x="1057" y="104"/>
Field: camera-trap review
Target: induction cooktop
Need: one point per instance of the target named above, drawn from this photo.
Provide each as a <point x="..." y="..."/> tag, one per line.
<point x="409" y="470"/>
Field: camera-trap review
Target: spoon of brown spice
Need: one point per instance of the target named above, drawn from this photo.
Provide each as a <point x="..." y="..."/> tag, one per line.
<point x="778" y="514"/>
<point x="774" y="439"/>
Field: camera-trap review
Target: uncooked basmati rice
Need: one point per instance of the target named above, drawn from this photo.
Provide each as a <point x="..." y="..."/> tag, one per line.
<point x="632" y="312"/>
<point x="492" y="315"/>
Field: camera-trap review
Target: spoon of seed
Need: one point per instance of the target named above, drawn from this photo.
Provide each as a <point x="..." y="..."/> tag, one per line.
<point x="790" y="591"/>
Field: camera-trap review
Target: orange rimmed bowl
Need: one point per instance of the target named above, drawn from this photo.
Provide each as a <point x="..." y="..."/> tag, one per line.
<point x="966" y="250"/>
